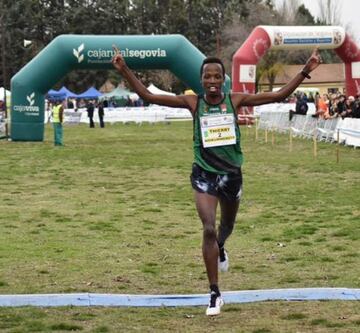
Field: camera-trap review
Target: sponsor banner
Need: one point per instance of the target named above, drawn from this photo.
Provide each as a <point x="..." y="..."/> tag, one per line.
<point x="247" y="73"/>
<point x="355" y="70"/>
<point x="28" y="106"/>
<point x="100" y="55"/>
<point x="283" y="37"/>
<point x="72" y="117"/>
<point x="31" y="111"/>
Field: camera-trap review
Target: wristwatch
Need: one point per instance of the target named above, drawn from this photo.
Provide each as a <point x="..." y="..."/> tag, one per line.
<point x="304" y="74"/>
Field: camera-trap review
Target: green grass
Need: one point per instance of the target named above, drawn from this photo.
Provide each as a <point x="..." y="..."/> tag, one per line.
<point x="113" y="212"/>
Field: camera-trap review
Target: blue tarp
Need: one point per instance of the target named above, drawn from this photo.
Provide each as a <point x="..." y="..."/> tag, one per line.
<point x="90" y="93"/>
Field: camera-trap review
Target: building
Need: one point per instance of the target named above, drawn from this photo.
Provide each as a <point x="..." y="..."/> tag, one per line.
<point x="107" y="87"/>
<point x="327" y="78"/>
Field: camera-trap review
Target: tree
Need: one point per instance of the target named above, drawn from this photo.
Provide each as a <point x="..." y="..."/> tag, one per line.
<point x="216" y="27"/>
<point x="303" y="16"/>
<point x="3" y="68"/>
<point x="270" y="67"/>
<point x="329" y="12"/>
<point x="239" y="27"/>
<point x="13" y="56"/>
<point x="286" y="12"/>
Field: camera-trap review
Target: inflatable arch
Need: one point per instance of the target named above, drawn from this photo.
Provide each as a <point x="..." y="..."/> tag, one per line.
<point x="264" y="38"/>
<point x="173" y="52"/>
<point x="68" y="52"/>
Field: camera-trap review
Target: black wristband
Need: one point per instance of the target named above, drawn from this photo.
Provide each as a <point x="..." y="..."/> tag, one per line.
<point x="304" y="74"/>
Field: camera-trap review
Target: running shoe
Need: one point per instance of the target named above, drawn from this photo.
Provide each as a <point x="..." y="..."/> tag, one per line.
<point x="223" y="262"/>
<point x="215" y="304"/>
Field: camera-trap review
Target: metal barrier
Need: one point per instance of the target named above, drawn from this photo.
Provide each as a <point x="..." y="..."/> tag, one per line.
<point x="348" y="129"/>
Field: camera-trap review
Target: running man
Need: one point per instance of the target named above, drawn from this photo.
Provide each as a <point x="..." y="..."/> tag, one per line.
<point x="216" y="173"/>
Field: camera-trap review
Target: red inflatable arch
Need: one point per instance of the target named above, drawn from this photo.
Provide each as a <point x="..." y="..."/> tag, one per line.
<point x="264" y="38"/>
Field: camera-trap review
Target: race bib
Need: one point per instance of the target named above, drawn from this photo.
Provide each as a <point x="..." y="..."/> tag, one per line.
<point x="218" y="130"/>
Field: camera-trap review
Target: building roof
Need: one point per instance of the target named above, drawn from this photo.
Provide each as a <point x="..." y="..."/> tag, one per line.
<point x="107" y="87"/>
<point x="325" y="73"/>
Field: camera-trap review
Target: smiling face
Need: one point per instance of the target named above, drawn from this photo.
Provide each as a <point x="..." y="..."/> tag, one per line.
<point x="212" y="79"/>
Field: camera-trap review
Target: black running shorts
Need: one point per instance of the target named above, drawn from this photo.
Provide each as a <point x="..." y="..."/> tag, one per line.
<point x="227" y="186"/>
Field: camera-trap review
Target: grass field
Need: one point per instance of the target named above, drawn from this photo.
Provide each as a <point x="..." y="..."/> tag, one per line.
<point x="113" y="212"/>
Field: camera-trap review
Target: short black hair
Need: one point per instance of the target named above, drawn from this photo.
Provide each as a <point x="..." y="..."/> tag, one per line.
<point x="212" y="60"/>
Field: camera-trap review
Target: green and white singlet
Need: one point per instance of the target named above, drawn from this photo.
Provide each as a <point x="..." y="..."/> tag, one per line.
<point x="217" y="137"/>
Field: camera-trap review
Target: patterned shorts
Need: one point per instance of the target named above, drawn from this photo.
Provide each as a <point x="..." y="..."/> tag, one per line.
<point x="228" y="186"/>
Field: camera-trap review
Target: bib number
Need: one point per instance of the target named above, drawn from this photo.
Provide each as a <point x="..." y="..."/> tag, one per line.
<point x="218" y="130"/>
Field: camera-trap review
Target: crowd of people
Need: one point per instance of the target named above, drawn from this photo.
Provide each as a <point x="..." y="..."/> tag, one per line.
<point x="327" y="106"/>
<point x="337" y="105"/>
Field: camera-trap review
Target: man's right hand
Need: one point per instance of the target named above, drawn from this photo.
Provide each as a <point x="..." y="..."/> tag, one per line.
<point x="313" y="62"/>
<point x="118" y="60"/>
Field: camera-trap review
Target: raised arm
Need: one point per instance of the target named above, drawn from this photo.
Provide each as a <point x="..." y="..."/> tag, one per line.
<point x="240" y="99"/>
<point x="173" y="101"/>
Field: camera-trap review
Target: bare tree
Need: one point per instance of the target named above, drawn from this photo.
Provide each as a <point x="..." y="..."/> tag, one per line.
<point x="330" y="12"/>
<point x="238" y="30"/>
<point x="287" y="11"/>
<point x="165" y="79"/>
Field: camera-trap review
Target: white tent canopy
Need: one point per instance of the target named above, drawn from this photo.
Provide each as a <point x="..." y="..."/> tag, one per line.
<point x="2" y="93"/>
<point x="156" y="91"/>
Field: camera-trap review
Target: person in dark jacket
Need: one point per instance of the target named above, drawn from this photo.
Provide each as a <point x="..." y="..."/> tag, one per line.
<point x="101" y="114"/>
<point x="301" y="106"/>
<point x="90" y="112"/>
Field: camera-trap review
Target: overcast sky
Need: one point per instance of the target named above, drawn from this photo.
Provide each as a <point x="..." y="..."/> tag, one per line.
<point x="350" y="13"/>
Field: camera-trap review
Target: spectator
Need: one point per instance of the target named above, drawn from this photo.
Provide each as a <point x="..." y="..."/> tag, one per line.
<point x="301" y="106"/>
<point x="322" y="109"/>
<point x="70" y="104"/>
<point x="81" y="104"/>
<point x="101" y="114"/>
<point x="311" y="98"/>
<point x="90" y="112"/>
<point x="58" y="119"/>
<point x="356" y="108"/>
<point x="129" y="102"/>
<point x="333" y="105"/>
<point x="341" y="107"/>
<point x="349" y="102"/>
<point x="316" y="101"/>
<point x="305" y="98"/>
